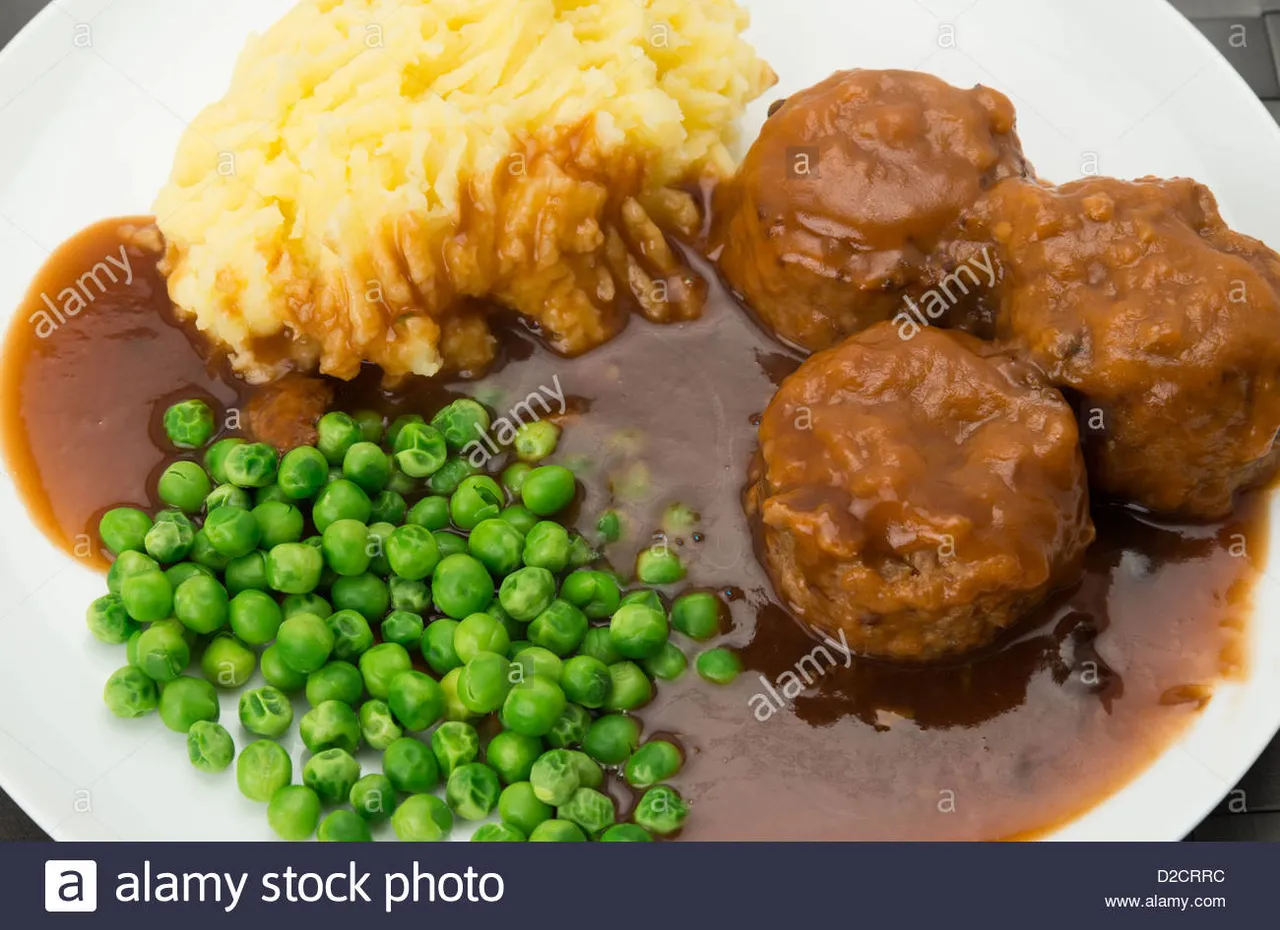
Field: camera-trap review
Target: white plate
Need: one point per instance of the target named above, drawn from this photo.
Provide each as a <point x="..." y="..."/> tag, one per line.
<point x="93" y="97"/>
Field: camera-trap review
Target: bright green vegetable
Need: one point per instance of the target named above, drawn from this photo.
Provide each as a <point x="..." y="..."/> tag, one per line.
<point x="595" y="593"/>
<point x="185" y="700"/>
<point x="340" y="500"/>
<point x="189" y="424"/>
<point x="526" y="593"/>
<point x="336" y="433"/>
<point x="631" y="687"/>
<point x="512" y="755"/>
<point x="477" y="499"/>
<point x="519" y="806"/>
<point x="413" y="552"/>
<point x="589" y="809"/>
<point x="331" y="774"/>
<point x="227" y="662"/>
<point x="484" y="682"/>
<point x="586" y="681"/>
<point x="415" y="699"/>
<point x="437" y="645"/>
<point x="570" y="728"/>
<point x="170" y="538"/>
<point x="344" y="826"/>
<point x="697" y="615"/>
<point x="303" y="472"/>
<point x="612" y="738"/>
<point x="278" y="674"/>
<point x="345" y="544"/>
<point x="247" y="573"/>
<point x="410" y="765"/>
<point x="659" y="565"/>
<point x="366" y="466"/>
<point x="431" y="513"/>
<point x="278" y="522"/>
<point x="335" y="681"/>
<point x="147" y="596"/>
<point x="461" y="586"/>
<point x="560" y="627"/>
<point x="294" y="568"/>
<point x="454" y="743"/>
<point x="209" y="746"/>
<point x="251" y="465"/>
<point x="266" y="711"/>
<point x="366" y="594"/>
<point x="497" y="833"/>
<point x="130" y="693"/>
<point x="419" y="449"/>
<point x="477" y="633"/>
<point x="626" y="833"/>
<point x="109" y="622"/>
<point x="719" y="666"/>
<point x="668" y="663"/>
<point x="255" y="616"/>
<point x="555" y="777"/>
<point x="661" y="810"/>
<point x="548" y="489"/>
<point x="638" y="631"/>
<point x="536" y="441"/>
<point x="380" y="665"/>
<point x="655" y="761"/>
<point x="402" y="627"/>
<point x="163" y="651"/>
<point x="304" y="642"/>
<point x="461" y="422"/>
<point x="378" y="726"/>
<point x="498" y="545"/>
<point x="351" y="634"/>
<point x="422" y="818"/>
<point x="472" y="791"/>
<point x="373" y="797"/>
<point x="201" y="604"/>
<point x="294" y="812"/>
<point x="557" y="831"/>
<point x="533" y="706"/>
<point x="216" y="456"/>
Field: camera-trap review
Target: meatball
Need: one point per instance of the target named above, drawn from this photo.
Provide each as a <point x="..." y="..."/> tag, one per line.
<point x="1160" y="321"/>
<point x="918" y="496"/>
<point x="840" y="204"/>
<point x="284" y="413"/>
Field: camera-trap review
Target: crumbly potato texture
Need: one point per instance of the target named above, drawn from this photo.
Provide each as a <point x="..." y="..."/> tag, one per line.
<point x="383" y="174"/>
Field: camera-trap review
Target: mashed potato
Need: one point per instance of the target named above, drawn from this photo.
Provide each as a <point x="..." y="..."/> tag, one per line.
<point x="380" y="171"/>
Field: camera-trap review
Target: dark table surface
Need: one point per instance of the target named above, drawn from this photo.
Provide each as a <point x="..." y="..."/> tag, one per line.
<point x="1248" y="33"/>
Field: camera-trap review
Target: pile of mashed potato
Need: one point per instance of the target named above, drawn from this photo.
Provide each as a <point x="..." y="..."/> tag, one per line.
<point x="382" y="173"/>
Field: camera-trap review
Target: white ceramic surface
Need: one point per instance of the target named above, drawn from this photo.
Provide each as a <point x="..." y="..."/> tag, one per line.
<point x="93" y="97"/>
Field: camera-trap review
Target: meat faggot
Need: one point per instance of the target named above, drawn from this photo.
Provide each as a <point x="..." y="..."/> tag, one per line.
<point x="1137" y="297"/>
<point x="848" y="191"/>
<point x="918" y="495"/>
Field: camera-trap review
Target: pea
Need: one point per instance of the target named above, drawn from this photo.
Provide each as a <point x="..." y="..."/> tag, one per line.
<point x="590" y="810"/>
<point x="278" y="522"/>
<point x="450" y="543"/>
<point x="377" y="725"/>
<point x="184" y="485"/>
<point x="388" y="506"/>
<point x="410" y="765"/>
<point x="380" y="665"/>
<point x="497" y="833"/>
<point x="184" y="700"/>
<point x="586" y="681"/>
<point x="335" y="681"/>
<point x="351" y="634"/>
<point x="294" y="812"/>
<point x="331" y="774"/>
<point x="609" y="526"/>
<point x="278" y="674"/>
<point x="409" y="596"/>
<point x="266" y="711"/>
<point x="179" y="573"/>
<point x="336" y="433"/>
<point x="454" y="743"/>
<point x="124" y="529"/>
<point x="570" y="728"/>
<point x="479" y="632"/>
<point x="344" y="826"/>
<point x="422" y="818"/>
<point x="595" y="593"/>
<point x="309" y="603"/>
<point x="534" y="660"/>
<point x="340" y="500"/>
<point x="303" y="472"/>
<point x="330" y="725"/>
<point x="294" y="568"/>
<point x="661" y="810"/>
<point x="431" y="513"/>
<point x="611" y="739"/>
<point x="129" y="692"/>
<point x="419" y="450"/>
<point x="548" y="489"/>
<point x="255" y="616"/>
<point x="659" y="565"/>
<point x="498" y="545"/>
<point x="645" y="597"/>
<point x="626" y="833"/>
<point x="555" y="777"/>
<point x="189" y="424"/>
<point x="437" y="646"/>
<point x="366" y="466"/>
<point x="472" y="791"/>
<point x="201" y="604"/>
<point x="215" y="458"/>
<point x="109" y="622"/>
<point x="520" y="517"/>
<point x="252" y="465"/>
<point x="227" y="495"/>
<point x="227" y="662"/>
<point x="512" y="755"/>
<point x="163" y="651"/>
<point x="127" y="564"/>
<point x="654" y="762"/>
<point x="478" y="498"/>
<point x="484" y="682"/>
<point x="413" y="552"/>
<point x="581" y="553"/>
<point x="526" y="593"/>
<point x="638" y="631"/>
<point x="461" y="422"/>
<point x="449" y="477"/>
<point x="398" y="424"/>
<point x="667" y="664"/>
<point x="210" y="747"/>
<point x="415" y="699"/>
<point x="402" y="627"/>
<point x="598" y="644"/>
<point x="719" y="666"/>
<point x="373" y="797"/>
<point x="631" y="687"/>
<point x="461" y="586"/>
<point x="560" y="628"/>
<point x="271" y="494"/>
<point x="532" y="706"/>
<point x="305" y="642"/>
<point x="536" y="441"/>
<point x="247" y="573"/>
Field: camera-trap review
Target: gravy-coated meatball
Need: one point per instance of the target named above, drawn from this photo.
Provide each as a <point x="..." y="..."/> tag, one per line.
<point x="918" y="496"/>
<point x="1164" y="323"/>
<point x="837" y="208"/>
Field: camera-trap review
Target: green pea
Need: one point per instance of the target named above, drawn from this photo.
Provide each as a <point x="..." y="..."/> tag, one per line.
<point x="645" y="597"/>
<point x="590" y="774"/>
<point x="278" y="674"/>
<point x="611" y="739"/>
<point x="667" y="664"/>
<point x="450" y="543"/>
<point x="335" y="681"/>
<point x="185" y="700"/>
<point x="124" y="529"/>
<point x="547" y="546"/>
<point x="609" y="526"/>
<point x="308" y="603"/>
<point x="409" y="596"/>
<point x="598" y="644"/>
<point x="398" y="424"/>
<point x="431" y="513"/>
<point x="366" y="466"/>
<point x="526" y="593"/>
<point x="377" y="725"/>
<point x="271" y="494"/>
<point x="437" y="646"/>
<point x="303" y="472"/>
<point x="232" y="532"/>
<point x="461" y="586"/>
<point x="210" y="747"/>
<point x="514" y="475"/>
<point x="532" y="706"/>
<point x="595" y="593"/>
<point x="266" y="711"/>
<point x="247" y="573"/>
<point x="512" y="755"/>
<point x="179" y="573"/>
<point x="413" y="552"/>
<point x="477" y="499"/>
<point x="661" y="810"/>
<point x="402" y="627"/>
<point x="294" y="568"/>
<point x="590" y="810"/>
<point x="201" y="604"/>
<point x="461" y="422"/>
<point x="109" y="622"/>
<point x="252" y="465"/>
<point x="498" y="545"/>
<point x="477" y="633"/>
<point x="227" y="662"/>
<point x="189" y="424"/>
<point x="656" y="761"/>
<point x="415" y="699"/>
<point x="380" y="665"/>
<point x="330" y="724"/>
<point x="555" y="777"/>
<point x="147" y="597"/>
<point x="278" y="523"/>
<point x="336" y="433"/>
<point x="419" y="450"/>
<point x="163" y="651"/>
<point x="586" y="681"/>
<point x="631" y="687"/>
<point x="626" y="833"/>
<point x="548" y="489"/>
<point x="294" y="812"/>
<point x="373" y="797"/>
<point x="570" y="728"/>
<point x="560" y="628"/>
<point x="520" y="517"/>
<point x="305" y="642"/>
<point x="227" y="495"/>
<point x="129" y="563"/>
<point x="170" y="538"/>
<point x="255" y="616"/>
<point x="719" y="666"/>
<point x="184" y="485"/>
<point x="536" y="441"/>
<point x="331" y="774"/>
<point x="484" y="682"/>
<point x="422" y="818"/>
<point x="472" y="791"/>
<point x="344" y="826"/>
<point x="581" y="553"/>
<point x="215" y="458"/>
<point x="410" y="765"/>
<point x="345" y="544"/>
<point x="454" y="743"/>
<point x="519" y="806"/>
<point x="497" y="833"/>
<point x="449" y="476"/>
<point x="341" y="500"/>
<point x="129" y="692"/>
<point x="638" y="630"/>
<point x="534" y="660"/>
<point x="659" y="565"/>
<point x="351" y="634"/>
<point x="388" y="506"/>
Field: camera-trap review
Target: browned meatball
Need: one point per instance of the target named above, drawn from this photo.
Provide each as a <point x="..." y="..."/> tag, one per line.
<point x="1164" y="323"/>
<point x="833" y="216"/>
<point x="918" y="496"/>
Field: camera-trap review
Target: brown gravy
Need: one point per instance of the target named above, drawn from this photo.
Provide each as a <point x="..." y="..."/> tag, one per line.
<point x="1076" y="702"/>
